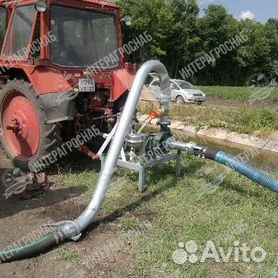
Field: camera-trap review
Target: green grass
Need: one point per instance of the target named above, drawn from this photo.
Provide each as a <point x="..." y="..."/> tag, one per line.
<point x="67" y="255"/>
<point x="240" y="93"/>
<point x="183" y="209"/>
<point x="260" y="121"/>
<point x="206" y="203"/>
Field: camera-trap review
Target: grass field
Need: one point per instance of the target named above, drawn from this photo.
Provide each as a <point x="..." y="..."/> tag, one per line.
<point x="241" y="93"/>
<point x="195" y="207"/>
<point x="227" y="107"/>
<point x="244" y="119"/>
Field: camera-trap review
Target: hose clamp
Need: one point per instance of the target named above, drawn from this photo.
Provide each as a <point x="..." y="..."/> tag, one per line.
<point x="69" y="229"/>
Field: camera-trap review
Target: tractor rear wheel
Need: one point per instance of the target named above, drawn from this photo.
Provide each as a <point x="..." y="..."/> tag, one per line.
<point x="25" y="135"/>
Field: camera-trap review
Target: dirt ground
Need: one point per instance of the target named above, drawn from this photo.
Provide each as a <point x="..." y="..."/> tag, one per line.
<point x="19" y="218"/>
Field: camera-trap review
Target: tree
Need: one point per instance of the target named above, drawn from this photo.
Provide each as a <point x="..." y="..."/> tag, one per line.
<point x="183" y="41"/>
<point x="259" y="54"/>
<point x="216" y="28"/>
<point x="272" y="34"/>
<point x="179" y="36"/>
<point x="172" y="25"/>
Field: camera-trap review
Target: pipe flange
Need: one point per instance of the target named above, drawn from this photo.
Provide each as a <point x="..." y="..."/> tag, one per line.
<point x="69" y="229"/>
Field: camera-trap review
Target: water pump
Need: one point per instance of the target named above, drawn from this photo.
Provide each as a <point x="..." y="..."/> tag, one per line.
<point x="136" y="151"/>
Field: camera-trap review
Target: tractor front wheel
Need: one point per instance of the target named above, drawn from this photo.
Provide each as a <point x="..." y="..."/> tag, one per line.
<point x="25" y="135"/>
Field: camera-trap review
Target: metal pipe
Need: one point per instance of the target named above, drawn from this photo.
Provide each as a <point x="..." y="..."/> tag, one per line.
<point x="226" y="159"/>
<point x="72" y="229"/>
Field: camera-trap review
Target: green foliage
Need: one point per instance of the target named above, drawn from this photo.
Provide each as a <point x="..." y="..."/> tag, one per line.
<point x="180" y="36"/>
<point x="172" y="25"/>
<point x="216" y="28"/>
<point x="258" y="54"/>
<point x="260" y="122"/>
<point x="67" y="255"/>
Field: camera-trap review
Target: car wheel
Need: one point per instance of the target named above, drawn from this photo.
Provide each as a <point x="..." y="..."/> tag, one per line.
<point x="180" y="100"/>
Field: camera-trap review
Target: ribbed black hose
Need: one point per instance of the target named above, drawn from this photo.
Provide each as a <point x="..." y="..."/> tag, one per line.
<point x="31" y="249"/>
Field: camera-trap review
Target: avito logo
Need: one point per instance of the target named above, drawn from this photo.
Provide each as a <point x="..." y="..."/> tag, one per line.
<point x="188" y="253"/>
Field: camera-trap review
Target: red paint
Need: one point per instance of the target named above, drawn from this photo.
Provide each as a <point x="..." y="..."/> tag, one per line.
<point x="84" y="149"/>
<point x="49" y="78"/>
<point x="154" y="114"/>
<point x="123" y="80"/>
<point x="20" y="123"/>
<point x="19" y="119"/>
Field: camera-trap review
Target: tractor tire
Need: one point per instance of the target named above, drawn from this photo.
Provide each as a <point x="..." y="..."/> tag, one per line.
<point x="26" y="137"/>
<point x="180" y="100"/>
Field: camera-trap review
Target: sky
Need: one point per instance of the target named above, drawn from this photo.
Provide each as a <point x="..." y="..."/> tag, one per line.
<point x="260" y="10"/>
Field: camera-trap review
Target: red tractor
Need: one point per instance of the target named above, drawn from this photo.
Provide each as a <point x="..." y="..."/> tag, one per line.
<point x="62" y="71"/>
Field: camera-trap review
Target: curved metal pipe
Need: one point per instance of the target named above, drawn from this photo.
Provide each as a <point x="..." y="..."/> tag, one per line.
<point x="74" y="228"/>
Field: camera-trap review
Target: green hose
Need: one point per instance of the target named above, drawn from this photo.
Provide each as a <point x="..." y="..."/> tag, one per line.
<point x="30" y="249"/>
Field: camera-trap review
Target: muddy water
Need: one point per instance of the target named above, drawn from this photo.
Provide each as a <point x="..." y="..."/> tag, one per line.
<point x="264" y="160"/>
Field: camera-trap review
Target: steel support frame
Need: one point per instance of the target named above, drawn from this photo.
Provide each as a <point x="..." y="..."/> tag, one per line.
<point x="142" y="168"/>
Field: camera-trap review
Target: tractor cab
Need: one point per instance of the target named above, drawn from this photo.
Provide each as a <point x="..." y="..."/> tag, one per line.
<point x="63" y="61"/>
<point x="70" y="36"/>
<point x="83" y="37"/>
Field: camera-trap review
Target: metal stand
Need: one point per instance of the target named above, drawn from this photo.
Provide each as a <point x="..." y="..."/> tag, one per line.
<point x="142" y="168"/>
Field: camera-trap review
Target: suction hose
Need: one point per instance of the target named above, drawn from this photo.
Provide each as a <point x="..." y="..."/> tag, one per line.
<point x="73" y="229"/>
<point x="246" y="170"/>
<point x="228" y="160"/>
<point x="19" y="252"/>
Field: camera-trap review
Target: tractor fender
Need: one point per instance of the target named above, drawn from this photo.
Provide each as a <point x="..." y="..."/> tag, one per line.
<point x="123" y="80"/>
<point x="57" y="104"/>
<point x="58" y="107"/>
